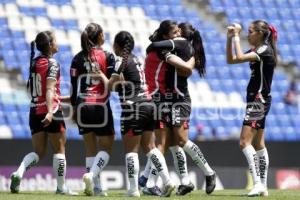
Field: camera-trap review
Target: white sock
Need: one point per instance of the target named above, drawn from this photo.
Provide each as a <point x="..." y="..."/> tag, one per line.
<point x="263" y="159"/>
<point x="252" y="159"/>
<point x="59" y="168"/>
<point x="100" y="162"/>
<point x="180" y="164"/>
<point x="152" y="179"/>
<point x="88" y="165"/>
<point x="28" y="161"/>
<point x="132" y="169"/>
<point x="159" y="163"/>
<point x="147" y="170"/>
<point x="195" y="153"/>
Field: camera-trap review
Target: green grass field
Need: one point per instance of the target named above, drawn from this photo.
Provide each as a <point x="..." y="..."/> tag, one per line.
<point x="196" y="195"/>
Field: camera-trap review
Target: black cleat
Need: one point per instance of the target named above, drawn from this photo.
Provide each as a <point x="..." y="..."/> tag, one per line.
<point x="15" y="183"/>
<point x="142" y="181"/>
<point x="184" y="189"/>
<point x="155" y="191"/>
<point x="210" y="183"/>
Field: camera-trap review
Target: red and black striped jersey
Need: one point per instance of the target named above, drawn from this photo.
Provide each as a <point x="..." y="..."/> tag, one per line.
<point x="183" y="49"/>
<point x="155" y="70"/>
<point x="43" y="68"/>
<point x="85" y="88"/>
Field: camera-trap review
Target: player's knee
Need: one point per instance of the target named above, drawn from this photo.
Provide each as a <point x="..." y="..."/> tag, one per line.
<point x="148" y="147"/>
<point x="243" y="144"/>
<point x="41" y="152"/>
<point x="107" y="148"/>
<point x="59" y="149"/>
<point x="162" y="148"/>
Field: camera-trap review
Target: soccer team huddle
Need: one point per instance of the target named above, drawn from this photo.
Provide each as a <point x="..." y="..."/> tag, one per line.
<point x="155" y="102"/>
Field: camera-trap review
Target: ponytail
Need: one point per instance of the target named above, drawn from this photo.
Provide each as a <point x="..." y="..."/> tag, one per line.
<point x="32" y="53"/>
<point x="193" y="35"/>
<point x="272" y="39"/>
<point x="85" y="44"/>
<point x="125" y="53"/>
<point x="126" y="43"/>
<point x="200" y="59"/>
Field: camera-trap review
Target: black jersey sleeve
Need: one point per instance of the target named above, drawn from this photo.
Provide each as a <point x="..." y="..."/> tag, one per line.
<point x="111" y="62"/>
<point x="53" y="69"/>
<point x="263" y="52"/>
<point x="164" y="44"/>
<point x="74" y="71"/>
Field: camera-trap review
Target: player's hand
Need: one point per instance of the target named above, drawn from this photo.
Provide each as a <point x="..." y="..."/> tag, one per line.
<point x="48" y="119"/>
<point x="237" y="28"/>
<point x="230" y="31"/>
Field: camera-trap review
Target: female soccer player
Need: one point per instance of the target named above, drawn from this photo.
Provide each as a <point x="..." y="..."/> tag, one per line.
<point x="137" y="118"/>
<point x="262" y="59"/>
<point x="155" y="70"/>
<point x="91" y="104"/>
<point x="46" y="118"/>
<point x="176" y="81"/>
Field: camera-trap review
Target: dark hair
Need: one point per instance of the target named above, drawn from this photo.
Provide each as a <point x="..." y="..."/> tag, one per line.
<point x="126" y="42"/>
<point x="163" y="29"/>
<point x="89" y="37"/>
<point x="269" y="37"/>
<point x="42" y="43"/>
<point x="193" y="35"/>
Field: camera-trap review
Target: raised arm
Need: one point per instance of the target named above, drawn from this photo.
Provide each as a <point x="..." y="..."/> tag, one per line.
<point x="233" y="36"/>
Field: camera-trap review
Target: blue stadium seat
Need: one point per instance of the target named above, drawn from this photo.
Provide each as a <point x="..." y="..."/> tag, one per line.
<point x="19" y="132"/>
<point x="216" y="6"/>
<point x="134" y="3"/>
<point x="276" y="134"/>
<point x="12" y="118"/>
<point x="255" y="4"/>
<point x="290" y="134"/>
<point x="241" y="3"/>
<point x="269" y="4"/>
<point x="2" y="118"/>
<point x="258" y="13"/>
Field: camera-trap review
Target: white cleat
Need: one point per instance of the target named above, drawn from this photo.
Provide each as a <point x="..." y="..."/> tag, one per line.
<point x="257" y="190"/>
<point x="99" y="192"/>
<point x="168" y="189"/>
<point x="88" y="180"/>
<point x="66" y="191"/>
<point x="265" y="193"/>
<point x="131" y="193"/>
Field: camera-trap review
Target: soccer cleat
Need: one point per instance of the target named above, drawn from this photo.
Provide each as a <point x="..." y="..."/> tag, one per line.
<point x="265" y="193"/>
<point x="257" y="190"/>
<point x="99" y="192"/>
<point x="66" y="191"/>
<point x="210" y="183"/>
<point x="168" y="190"/>
<point x="88" y="180"/>
<point x="142" y="181"/>
<point x="15" y="183"/>
<point x="184" y="189"/>
<point x="155" y="191"/>
<point x="131" y="193"/>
